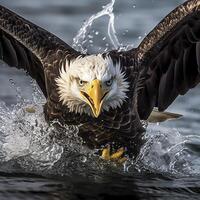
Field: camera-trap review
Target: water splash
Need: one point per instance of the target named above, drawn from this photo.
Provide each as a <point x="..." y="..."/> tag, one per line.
<point x="166" y="151"/>
<point x="25" y="134"/>
<point x="80" y="38"/>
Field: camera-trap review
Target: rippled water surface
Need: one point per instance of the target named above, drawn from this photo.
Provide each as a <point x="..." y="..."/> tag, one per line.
<point x="35" y="166"/>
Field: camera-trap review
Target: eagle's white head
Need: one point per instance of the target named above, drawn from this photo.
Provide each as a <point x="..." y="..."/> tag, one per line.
<point x="92" y="84"/>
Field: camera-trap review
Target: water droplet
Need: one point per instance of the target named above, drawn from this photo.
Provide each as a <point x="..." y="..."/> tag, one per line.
<point x="12" y="82"/>
<point x="90" y="36"/>
<point x="104" y="38"/>
<point x="83" y="159"/>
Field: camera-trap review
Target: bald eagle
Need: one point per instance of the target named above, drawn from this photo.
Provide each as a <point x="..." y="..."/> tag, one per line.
<point x="108" y="94"/>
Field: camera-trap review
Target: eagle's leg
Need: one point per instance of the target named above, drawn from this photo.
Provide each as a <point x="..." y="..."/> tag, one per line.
<point x="116" y="157"/>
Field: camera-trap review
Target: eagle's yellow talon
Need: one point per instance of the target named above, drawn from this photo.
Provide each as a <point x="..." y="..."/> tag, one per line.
<point x="106" y="153"/>
<point x="117" y="156"/>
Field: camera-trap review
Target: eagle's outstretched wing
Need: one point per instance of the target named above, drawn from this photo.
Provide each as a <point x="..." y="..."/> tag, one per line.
<point x="170" y="58"/>
<point x="25" y="45"/>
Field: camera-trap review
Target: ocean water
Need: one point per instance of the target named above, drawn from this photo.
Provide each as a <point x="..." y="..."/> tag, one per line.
<point x="33" y="166"/>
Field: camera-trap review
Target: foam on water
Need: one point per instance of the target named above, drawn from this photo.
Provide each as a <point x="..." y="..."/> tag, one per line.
<point x="36" y="145"/>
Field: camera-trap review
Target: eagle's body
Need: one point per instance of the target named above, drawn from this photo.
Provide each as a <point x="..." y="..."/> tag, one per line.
<point x="108" y="94"/>
<point x="111" y="126"/>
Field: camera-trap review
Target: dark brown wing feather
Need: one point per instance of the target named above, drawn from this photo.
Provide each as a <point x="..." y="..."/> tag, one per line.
<point x="169" y="58"/>
<point x="15" y="54"/>
<point x="25" y="45"/>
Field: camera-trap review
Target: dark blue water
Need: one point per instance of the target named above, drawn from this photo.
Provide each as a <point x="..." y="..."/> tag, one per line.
<point x="33" y="167"/>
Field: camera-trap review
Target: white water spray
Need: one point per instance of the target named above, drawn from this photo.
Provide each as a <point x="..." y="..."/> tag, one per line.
<point x="79" y="39"/>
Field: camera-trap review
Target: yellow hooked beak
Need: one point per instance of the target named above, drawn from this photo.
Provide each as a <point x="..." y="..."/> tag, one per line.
<point x="94" y="96"/>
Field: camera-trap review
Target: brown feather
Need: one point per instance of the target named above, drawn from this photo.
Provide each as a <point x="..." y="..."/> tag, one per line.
<point x="169" y="55"/>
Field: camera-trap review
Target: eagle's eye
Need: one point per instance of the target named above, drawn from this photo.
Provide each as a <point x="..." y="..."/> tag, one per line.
<point x="109" y="82"/>
<point x="81" y="82"/>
